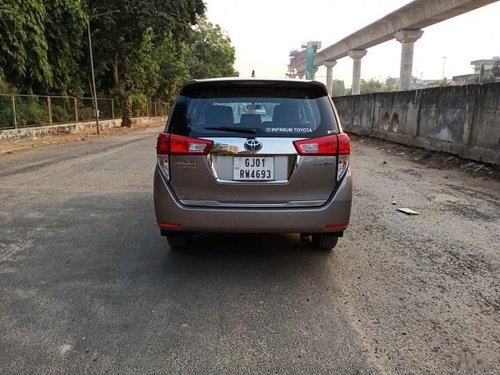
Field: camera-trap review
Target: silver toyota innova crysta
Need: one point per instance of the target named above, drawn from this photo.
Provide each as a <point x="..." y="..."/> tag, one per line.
<point x="253" y="156"/>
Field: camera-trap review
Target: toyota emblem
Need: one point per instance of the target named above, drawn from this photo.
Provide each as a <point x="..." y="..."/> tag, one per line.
<point x="253" y="145"/>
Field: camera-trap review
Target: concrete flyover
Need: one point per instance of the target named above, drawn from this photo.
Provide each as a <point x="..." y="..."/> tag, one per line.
<point x="404" y="24"/>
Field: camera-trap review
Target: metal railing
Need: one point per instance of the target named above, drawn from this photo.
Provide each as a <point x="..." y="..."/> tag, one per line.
<point x="18" y="111"/>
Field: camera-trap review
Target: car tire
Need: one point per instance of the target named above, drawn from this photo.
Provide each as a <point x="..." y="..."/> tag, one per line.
<point x="178" y="240"/>
<point x="324" y="241"/>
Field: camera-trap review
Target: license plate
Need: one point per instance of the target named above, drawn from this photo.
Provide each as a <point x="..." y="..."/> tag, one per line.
<point x="249" y="168"/>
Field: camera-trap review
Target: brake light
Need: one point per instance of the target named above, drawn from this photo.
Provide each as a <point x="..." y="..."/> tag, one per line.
<point x="317" y="146"/>
<point x="338" y="145"/>
<point x="180" y="145"/>
<point x="344" y="150"/>
<point x="170" y="144"/>
<point x="333" y="145"/>
<point x="162" y="144"/>
<point x="344" y="144"/>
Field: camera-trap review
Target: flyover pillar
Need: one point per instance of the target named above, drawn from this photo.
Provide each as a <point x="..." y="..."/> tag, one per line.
<point x="356" y="55"/>
<point x="329" y="76"/>
<point x="407" y="39"/>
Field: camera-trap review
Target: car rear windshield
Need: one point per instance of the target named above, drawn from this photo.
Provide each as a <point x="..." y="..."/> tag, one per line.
<point x="260" y="110"/>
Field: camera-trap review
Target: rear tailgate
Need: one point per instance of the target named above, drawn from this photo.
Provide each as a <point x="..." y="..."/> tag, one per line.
<point x="275" y="176"/>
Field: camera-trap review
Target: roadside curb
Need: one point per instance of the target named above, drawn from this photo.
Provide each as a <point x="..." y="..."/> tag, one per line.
<point x="15" y="140"/>
<point x="20" y="134"/>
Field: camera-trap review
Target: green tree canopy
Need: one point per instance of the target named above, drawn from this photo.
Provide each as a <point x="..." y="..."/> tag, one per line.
<point x="172" y="58"/>
<point x="374" y="85"/>
<point x="338" y="88"/>
<point x="371" y="85"/>
<point x="40" y="43"/>
<point x="142" y="49"/>
<point x="211" y="52"/>
<point x="23" y="46"/>
<point x="127" y="39"/>
<point x="64" y="30"/>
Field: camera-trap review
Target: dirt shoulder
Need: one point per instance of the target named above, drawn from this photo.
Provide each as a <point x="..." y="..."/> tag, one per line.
<point x="89" y="134"/>
<point x="432" y="159"/>
<point x="423" y="290"/>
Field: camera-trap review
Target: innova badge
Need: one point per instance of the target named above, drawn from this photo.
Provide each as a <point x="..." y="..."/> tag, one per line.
<point x="253" y="144"/>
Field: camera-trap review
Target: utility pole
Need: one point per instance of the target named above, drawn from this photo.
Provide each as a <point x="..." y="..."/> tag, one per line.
<point x="94" y="93"/>
<point x="96" y="108"/>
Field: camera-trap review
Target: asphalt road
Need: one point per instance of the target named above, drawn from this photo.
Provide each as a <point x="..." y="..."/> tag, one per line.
<point x="87" y="285"/>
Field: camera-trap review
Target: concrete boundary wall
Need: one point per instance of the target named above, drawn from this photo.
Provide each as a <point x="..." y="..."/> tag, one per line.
<point x="460" y="120"/>
<point x="12" y="135"/>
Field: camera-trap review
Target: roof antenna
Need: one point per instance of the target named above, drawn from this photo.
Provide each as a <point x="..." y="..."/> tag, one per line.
<point x="253" y="73"/>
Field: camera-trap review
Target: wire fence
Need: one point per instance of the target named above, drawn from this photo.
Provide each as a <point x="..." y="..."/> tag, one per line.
<point x="18" y="111"/>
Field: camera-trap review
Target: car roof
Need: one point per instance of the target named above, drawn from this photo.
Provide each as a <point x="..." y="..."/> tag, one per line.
<point x="254" y="82"/>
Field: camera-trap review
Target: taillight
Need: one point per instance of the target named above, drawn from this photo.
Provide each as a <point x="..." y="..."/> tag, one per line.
<point x="162" y="148"/>
<point x="344" y="150"/>
<point x="171" y="144"/>
<point x="317" y="146"/>
<point x="338" y="145"/>
<point x="344" y="144"/>
<point x="180" y="145"/>
<point x="162" y="144"/>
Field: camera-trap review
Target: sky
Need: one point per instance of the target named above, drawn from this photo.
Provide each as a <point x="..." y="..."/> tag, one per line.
<point x="264" y="32"/>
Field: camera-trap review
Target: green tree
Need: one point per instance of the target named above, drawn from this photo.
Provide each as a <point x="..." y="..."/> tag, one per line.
<point x="496" y="69"/>
<point x="64" y="32"/>
<point x="372" y="85"/>
<point x="40" y="43"/>
<point x="391" y="84"/>
<point x="146" y="72"/>
<point x="123" y="37"/>
<point x="172" y="58"/>
<point x="338" y="88"/>
<point x="489" y="76"/>
<point x="6" y="88"/>
<point x="211" y="52"/>
<point x="441" y="83"/>
<point x="23" y="47"/>
<point x="142" y="48"/>
<point x="482" y="74"/>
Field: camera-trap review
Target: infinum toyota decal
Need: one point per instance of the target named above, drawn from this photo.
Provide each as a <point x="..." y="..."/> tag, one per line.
<point x="289" y="130"/>
<point x="253" y="144"/>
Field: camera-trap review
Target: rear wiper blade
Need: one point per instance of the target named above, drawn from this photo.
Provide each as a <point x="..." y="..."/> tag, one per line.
<point x="234" y="129"/>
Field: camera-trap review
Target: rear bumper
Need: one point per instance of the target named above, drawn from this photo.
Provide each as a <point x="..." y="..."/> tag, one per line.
<point x="332" y="217"/>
